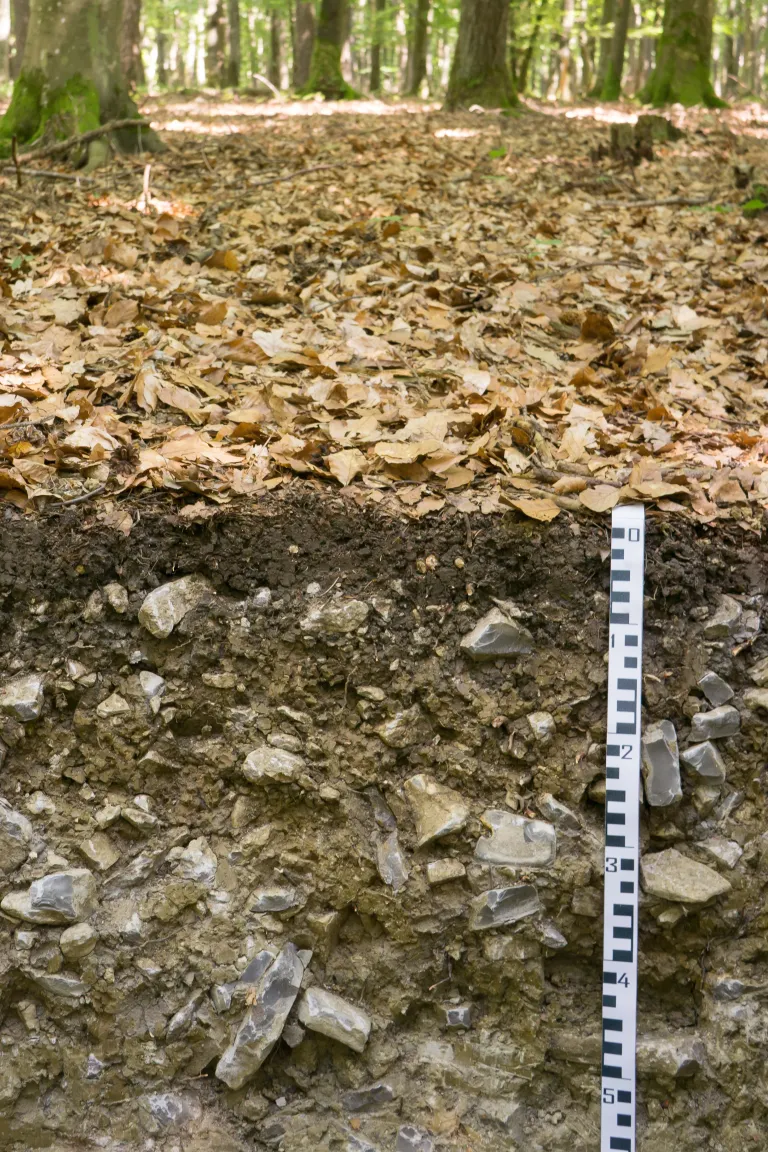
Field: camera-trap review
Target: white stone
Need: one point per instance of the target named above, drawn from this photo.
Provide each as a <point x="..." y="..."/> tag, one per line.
<point x="339" y="617"/>
<point x="116" y="597"/>
<point x="267" y="764"/>
<point x="15" y="837"/>
<point x="114" y="705"/>
<point x="516" y="841"/>
<point x="542" y="725"/>
<point x="78" y="941"/>
<point x="440" y="871"/>
<point x="437" y="809"/>
<point x="672" y="876"/>
<point x="22" y="697"/>
<point x="165" y="607"/>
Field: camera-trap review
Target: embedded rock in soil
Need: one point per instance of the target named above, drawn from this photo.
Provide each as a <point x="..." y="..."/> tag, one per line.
<point x="725" y="851"/>
<point x="437" y="810"/>
<point x="78" y="941"/>
<point x="272" y="764"/>
<point x="329" y="1014"/>
<point x="705" y="760"/>
<point x="440" y="871"/>
<point x="501" y="906"/>
<point x="517" y="841"/>
<point x="661" y="765"/>
<point x="558" y="814"/>
<point x="22" y="697"/>
<point x="496" y="635"/>
<point x="99" y="851"/>
<point x="15" y="837"/>
<point x="668" y="1058"/>
<point x="263" y="1022"/>
<point x="336" y="618"/>
<point x="715" y="689"/>
<point x="412" y="1139"/>
<point x="59" y="898"/>
<point x="714" y="725"/>
<point x="391" y="862"/>
<point x="363" y="1099"/>
<point x="404" y="729"/>
<point x="756" y="698"/>
<point x="672" y="876"/>
<point x="725" y="620"/>
<point x="165" y="607"/>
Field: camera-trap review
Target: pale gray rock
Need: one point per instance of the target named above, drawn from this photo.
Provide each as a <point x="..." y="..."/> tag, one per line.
<point x="668" y="1058"/>
<point x="728" y="989"/>
<point x="261" y="599"/>
<point x="715" y="689"/>
<point x="59" y="898"/>
<point x="404" y="729"/>
<point x="413" y="1139"/>
<point x="496" y="635"/>
<point x="336" y="618"/>
<point x="117" y="597"/>
<point x="382" y="813"/>
<point x="551" y="936"/>
<point x="15" y="838"/>
<point x="557" y="813"/>
<point x="59" y="984"/>
<point x="275" y="899"/>
<point x="727" y="852"/>
<point x="371" y="693"/>
<point x="714" y="725"/>
<point x="114" y="705"/>
<point x="264" y="1021"/>
<point x="390" y="862"/>
<point x="99" y="851"/>
<point x="153" y="687"/>
<point x="331" y="1015"/>
<point x="542" y="725"/>
<point x="437" y="810"/>
<point x="456" y="1015"/>
<point x="365" y="1099"/>
<point x="272" y="765"/>
<point x="139" y="818"/>
<point x="78" y="941"/>
<point x="198" y="862"/>
<point x="181" y="1021"/>
<point x="94" y="1067"/>
<point x="725" y="620"/>
<point x="671" y="876"/>
<point x="174" y="1110"/>
<point x="705" y="760"/>
<point x="165" y="607"/>
<point x="516" y="841"/>
<point x="661" y="765"/>
<point x="757" y="698"/>
<point x="500" y="906"/>
<point x="22" y="697"/>
<point x="758" y="673"/>
<point x="440" y="871"/>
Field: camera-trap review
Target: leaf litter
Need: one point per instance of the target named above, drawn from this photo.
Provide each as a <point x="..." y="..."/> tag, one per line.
<point x="465" y="311"/>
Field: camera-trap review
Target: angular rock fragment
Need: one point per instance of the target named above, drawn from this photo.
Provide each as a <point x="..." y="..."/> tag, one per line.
<point x="497" y="635"/>
<point x="338" y="617"/>
<point x="153" y="687"/>
<point x="440" y="871"/>
<point x="364" y="1099"/>
<point x="671" y="876"/>
<point x="517" y="841"/>
<point x="390" y="862"/>
<point x="725" y="620"/>
<point x="500" y="906"/>
<point x="456" y="1015"/>
<point x="661" y="765"/>
<point x="714" y="725"/>
<point x="728" y="852"/>
<point x="404" y="729"/>
<point x="715" y="689"/>
<point x="557" y="813"/>
<point x="756" y="698"/>
<point x="22" y="697"/>
<point x="99" y="851"/>
<point x="332" y="1016"/>
<point x="382" y="813"/>
<point x="758" y="673"/>
<point x="165" y="607"/>
<point x="263" y="1022"/>
<point x="437" y="810"/>
<point x="114" y="705"/>
<point x="275" y="899"/>
<point x="59" y="984"/>
<point x="542" y="725"/>
<point x="198" y="862"/>
<point x="117" y="597"/>
<point x="267" y="764"/>
<point x="412" y="1139"/>
<point x="705" y="760"/>
<point x="78" y="941"/>
<point x="181" y="1021"/>
<point x="174" y="1110"/>
<point x="59" y="898"/>
<point x="15" y="837"/>
<point x="670" y="1058"/>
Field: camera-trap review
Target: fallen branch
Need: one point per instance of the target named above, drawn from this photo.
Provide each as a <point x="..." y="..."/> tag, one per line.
<point x="86" y="137"/>
<point x="294" y="175"/>
<point x="44" y="174"/>
<point x="77" y="499"/>
<point x="677" y="201"/>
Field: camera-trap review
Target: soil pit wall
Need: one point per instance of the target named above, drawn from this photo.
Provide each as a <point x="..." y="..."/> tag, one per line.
<point x="270" y="804"/>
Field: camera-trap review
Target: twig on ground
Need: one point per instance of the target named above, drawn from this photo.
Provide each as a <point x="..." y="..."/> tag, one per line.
<point x="85" y="137"/>
<point x="44" y="174"/>
<point x="670" y="201"/>
<point x="300" y="172"/>
<point x="79" y="499"/>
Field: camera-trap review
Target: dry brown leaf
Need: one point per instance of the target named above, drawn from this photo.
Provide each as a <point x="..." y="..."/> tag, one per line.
<point x="405" y="453"/>
<point x="121" y="312"/>
<point x="345" y="465"/>
<point x="601" y="498"/>
<point x="541" y="508"/>
<point x="225" y="259"/>
<point x="215" y="313"/>
<point x="567" y="484"/>
<point x="120" y="253"/>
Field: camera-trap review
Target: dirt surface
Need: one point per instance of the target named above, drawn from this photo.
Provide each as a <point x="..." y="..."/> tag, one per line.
<point x="114" y="1039"/>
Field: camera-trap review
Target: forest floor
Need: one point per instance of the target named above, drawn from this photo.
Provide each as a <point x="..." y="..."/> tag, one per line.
<point x="422" y="309"/>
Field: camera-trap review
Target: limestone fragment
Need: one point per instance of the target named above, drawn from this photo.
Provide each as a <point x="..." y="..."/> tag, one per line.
<point x="661" y="765"/>
<point x="266" y="764"/>
<point x="714" y="725"/>
<point x="198" y="862"/>
<point x="516" y="841"/>
<point x="672" y="876"/>
<point x="22" y="697"/>
<point x="263" y="1022"/>
<point x="404" y="729"/>
<point x="670" y="1057"/>
<point x="78" y="941"/>
<point x="705" y="760"/>
<point x="15" y="837"/>
<point x="728" y="852"/>
<point x="364" y="1099"/>
<point x="59" y="984"/>
<point x="437" y="810"/>
<point x="99" y="851"/>
<point x="498" y="634"/>
<point x="338" y="617"/>
<point x="331" y="1015"/>
<point x="181" y="1021"/>
<point x="390" y="862"/>
<point x="756" y="698"/>
<point x="412" y="1139"/>
<point x="117" y="597"/>
<point x="165" y="607"/>
<point x="153" y="687"/>
<point x="542" y="725"/>
<point x="114" y="705"/>
<point x="440" y="871"/>
<point x="59" y="898"/>
<point x="275" y="899"/>
<point x="725" y="620"/>
<point x="500" y="906"/>
<point x="558" y="814"/>
<point x="759" y="673"/>
<point x="715" y="689"/>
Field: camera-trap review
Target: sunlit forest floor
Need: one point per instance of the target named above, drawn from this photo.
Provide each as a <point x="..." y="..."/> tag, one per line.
<point x="424" y="308"/>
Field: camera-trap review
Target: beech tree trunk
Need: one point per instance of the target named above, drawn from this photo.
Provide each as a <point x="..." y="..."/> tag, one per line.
<point x="325" y="69"/>
<point x="418" y="44"/>
<point x="378" y="9"/>
<point x="215" y="44"/>
<point x="606" y="38"/>
<point x="303" y="42"/>
<point x="5" y="40"/>
<point x="130" y="43"/>
<point x="681" y="74"/>
<point x="71" y="78"/>
<point x="234" y="61"/>
<point x="274" y="66"/>
<point x="564" y="86"/>
<point x="19" y="25"/>
<point x="525" y="66"/>
<point x="479" y="72"/>
<point x="611" y="87"/>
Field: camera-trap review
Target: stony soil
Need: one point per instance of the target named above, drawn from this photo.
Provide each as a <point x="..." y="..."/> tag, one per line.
<point x="111" y="1033"/>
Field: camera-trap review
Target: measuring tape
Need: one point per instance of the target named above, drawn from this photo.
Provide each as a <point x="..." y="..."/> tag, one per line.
<point x="622" y="853"/>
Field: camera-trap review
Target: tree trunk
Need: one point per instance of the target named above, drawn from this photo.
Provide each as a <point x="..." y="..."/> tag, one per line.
<point x="71" y="78"/>
<point x="215" y="53"/>
<point x="130" y="43"/>
<point x="525" y="66"/>
<point x="234" y="54"/>
<point x="606" y="39"/>
<point x="325" y="69"/>
<point x="162" y="59"/>
<point x="274" y="66"/>
<point x="418" y="45"/>
<point x="19" y="25"/>
<point x="378" y="10"/>
<point x="479" y="73"/>
<point x="681" y="75"/>
<point x="303" y="41"/>
<point x="611" y="89"/>
<point x="5" y="40"/>
<point x="564" y="88"/>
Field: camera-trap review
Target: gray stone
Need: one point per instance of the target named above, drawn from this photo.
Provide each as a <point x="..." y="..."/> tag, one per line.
<point x="221" y="996"/>
<point x="728" y="852"/>
<point x="661" y="765"/>
<point x="264" y="1021"/>
<point x="165" y="607"/>
<point x="404" y="729"/>
<point x="757" y="698"/>
<point x="759" y="673"/>
<point x="551" y="936"/>
<point x="727" y="989"/>
<point x="117" y="597"/>
<point x="668" y="1058"/>
<point x="412" y="1139"/>
<point x="672" y="876"/>
<point x="517" y="841"/>
<point x="275" y="899"/>
<point x="181" y="1021"/>
<point x="265" y="765"/>
<point x="725" y="620"/>
<point x="257" y="966"/>
<point x="332" y="1016"/>
<point x="437" y="810"/>
<point x="59" y="898"/>
<point x="22" y="697"/>
<point x="542" y="725"/>
<point x="94" y="1067"/>
<point x="99" y="851"/>
<point x="78" y="941"/>
<point x="338" y="617"/>
<point x="552" y="810"/>
<point x="715" y="689"/>
<point x="497" y="635"/>
<point x="15" y="838"/>
<point x="293" y="1034"/>
<point x="364" y="1099"/>
<point x="456" y="1015"/>
<point x="440" y="871"/>
<point x="59" y="984"/>
<point x="173" y="1110"/>
<point x="705" y="760"/>
<point x="114" y="705"/>
<point x="390" y="862"/>
<point x="714" y="725"/>
<point x="153" y="687"/>
<point x="139" y="818"/>
<point x="382" y="813"/>
<point x="370" y="692"/>
<point x="500" y="906"/>
<point x="198" y="862"/>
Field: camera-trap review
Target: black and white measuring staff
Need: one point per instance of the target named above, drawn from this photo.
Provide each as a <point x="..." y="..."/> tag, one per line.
<point x="622" y="805"/>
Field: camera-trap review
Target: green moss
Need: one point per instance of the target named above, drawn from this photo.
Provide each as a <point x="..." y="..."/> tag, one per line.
<point x="64" y="112"/>
<point x="22" y="117"/>
<point x="611" y="89"/>
<point x="325" y="73"/>
<point x="491" y="90"/>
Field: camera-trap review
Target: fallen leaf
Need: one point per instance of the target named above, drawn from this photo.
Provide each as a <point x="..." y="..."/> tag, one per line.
<point x="345" y="465"/>
<point x="121" y="312"/>
<point x="542" y="509"/>
<point x="601" y="498"/>
<point x="120" y="253"/>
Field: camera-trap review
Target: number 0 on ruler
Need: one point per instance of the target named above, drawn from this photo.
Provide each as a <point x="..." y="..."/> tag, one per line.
<point x="622" y="801"/>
